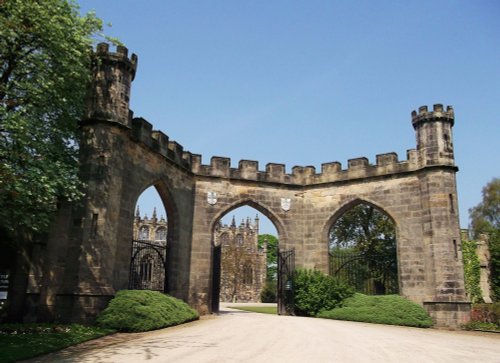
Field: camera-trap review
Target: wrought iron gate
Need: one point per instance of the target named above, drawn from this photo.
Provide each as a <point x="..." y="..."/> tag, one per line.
<point x="216" y="271"/>
<point x="148" y="265"/>
<point x="286" y="269"/>
<point x="372" y="275"/>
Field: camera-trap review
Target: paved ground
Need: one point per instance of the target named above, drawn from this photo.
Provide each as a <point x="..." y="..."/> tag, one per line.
<point x="237" y="336"/>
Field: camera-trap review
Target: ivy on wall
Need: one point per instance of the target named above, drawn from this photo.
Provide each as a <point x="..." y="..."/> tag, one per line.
<point x="472" y="271"/>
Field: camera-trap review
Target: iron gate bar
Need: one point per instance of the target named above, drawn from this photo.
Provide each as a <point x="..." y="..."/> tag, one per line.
<point x="286" y="270"/>
<point x="140" y="278"/>
<point x="358" y="271"/>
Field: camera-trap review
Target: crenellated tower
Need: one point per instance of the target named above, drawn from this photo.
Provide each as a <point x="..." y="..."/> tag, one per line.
<point x="434" y="135"/>
<point x="105" y="128"/>
<point x="112" y="76"/>
<point x="439" y="214"/>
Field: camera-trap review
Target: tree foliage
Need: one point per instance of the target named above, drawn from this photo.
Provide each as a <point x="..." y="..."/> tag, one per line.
<point x="364" y="239"/>
<point x="272" y="255"/>
<point x="45" y="52"/>
<point x="365" y="229"/>
<point x="485" y="218"/>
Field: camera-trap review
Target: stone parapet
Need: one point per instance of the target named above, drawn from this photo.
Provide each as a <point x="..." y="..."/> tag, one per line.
<point x="220" y="167"/>
<point x="142" y="132"/>
<point x="437" y="114"/>
<point x="359" y="168"/>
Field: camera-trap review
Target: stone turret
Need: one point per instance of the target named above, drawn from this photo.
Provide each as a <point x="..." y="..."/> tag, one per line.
<point x="434" y="135"/>
<point x="109" y="94"/>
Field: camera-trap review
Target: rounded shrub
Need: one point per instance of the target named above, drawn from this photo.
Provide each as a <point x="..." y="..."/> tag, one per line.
<point x="381" y="309"/>
<point x="268" y="293"/>
<point x="143" y="310"/>
<point x="315" y="291"/>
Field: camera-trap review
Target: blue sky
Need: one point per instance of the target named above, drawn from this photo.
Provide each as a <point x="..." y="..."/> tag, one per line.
<point x="308" y="82"/>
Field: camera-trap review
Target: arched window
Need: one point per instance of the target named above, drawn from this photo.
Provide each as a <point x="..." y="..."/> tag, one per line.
<point x="146" y="268"/>
<point x="239" y="239"/>
<point x="161" y="234"/>
<point x="143" y="233"/>
<point x="247" y="274"/>
<point x="224" y="239"/>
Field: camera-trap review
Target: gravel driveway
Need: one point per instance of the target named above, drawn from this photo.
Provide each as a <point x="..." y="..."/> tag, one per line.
<point x="237" y="336"/>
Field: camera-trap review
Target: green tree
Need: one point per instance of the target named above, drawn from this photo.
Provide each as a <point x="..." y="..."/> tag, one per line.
<point x="272" y="255"/>
<point x="364" y="239"/>
<point x="268" y="293"/>
<point x="45" y="56"/>
<point x="485" y="218"/>
<point x="45" y="53"/>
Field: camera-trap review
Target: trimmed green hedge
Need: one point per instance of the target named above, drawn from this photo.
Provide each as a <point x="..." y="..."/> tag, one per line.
<point x="143" y="310"/>
<point x="381" y="309"/>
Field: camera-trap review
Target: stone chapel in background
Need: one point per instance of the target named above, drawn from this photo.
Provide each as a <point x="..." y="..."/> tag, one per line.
<point x="243" y="262"/>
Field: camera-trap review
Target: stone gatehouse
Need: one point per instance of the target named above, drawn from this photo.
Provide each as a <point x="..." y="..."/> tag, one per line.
<point x="86" y="259"/>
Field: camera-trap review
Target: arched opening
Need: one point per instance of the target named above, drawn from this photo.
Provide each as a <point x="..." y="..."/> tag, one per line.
<point x="148" y="261"/>
<point x="363" y="249"/>
<point x="245" y="245"/>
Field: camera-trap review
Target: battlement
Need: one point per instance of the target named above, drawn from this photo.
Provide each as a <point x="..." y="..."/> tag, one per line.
<point x="120" y="56"/>
<point x="142" y="131"/>
<point x="220" y="167"/>
<point x="437" y="114"/>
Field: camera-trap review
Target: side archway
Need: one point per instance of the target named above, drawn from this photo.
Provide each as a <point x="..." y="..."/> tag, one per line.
<point x="156" y="237"/>
<point x="362" y="247"/>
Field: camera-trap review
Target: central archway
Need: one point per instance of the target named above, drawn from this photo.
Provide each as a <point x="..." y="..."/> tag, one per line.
<point x="241" y="254"/>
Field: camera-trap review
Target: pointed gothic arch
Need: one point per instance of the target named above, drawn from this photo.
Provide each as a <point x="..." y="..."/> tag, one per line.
<point x="362" y="247"/>
<point x="351" y="203"/>
<point x="260" y="207"/>
<point x="160" y="240"/>
<point x="249" y="276"/>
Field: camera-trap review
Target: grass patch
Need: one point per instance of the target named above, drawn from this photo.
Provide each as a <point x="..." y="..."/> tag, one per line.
<point x="22" y="341"/>
<point x="482" y="326"/>
<point x="258" y="309"/>
<point x="386" y="309"/>
<point x="143" y="310"/>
